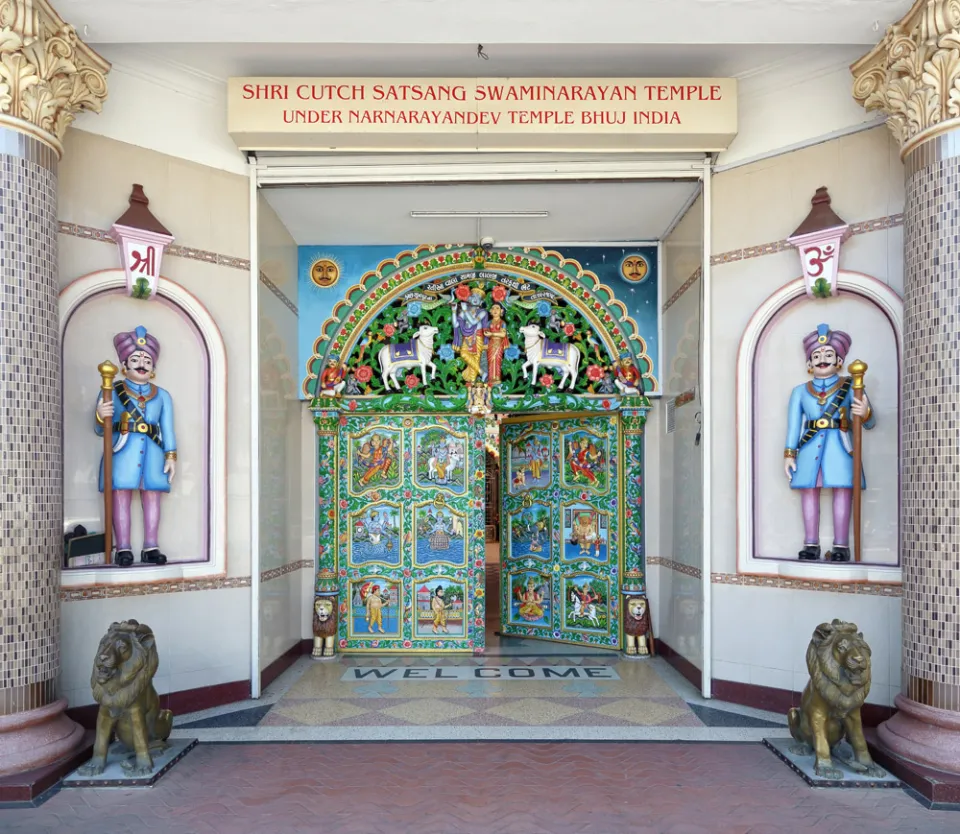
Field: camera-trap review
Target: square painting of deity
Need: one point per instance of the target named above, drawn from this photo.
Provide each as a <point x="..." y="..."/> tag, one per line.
<point x="375" y="607"/>
<point x="440" y="535"/>
<point x="375" y="458"/>
<point x="440" y="608"/>
<point x="528" y="464"/>
<point x="375" y="534"/>
<point x="529" y="597"/>
<point x="585" y="461"/>
<point x="586" y="600"/>
<point x="586" y="532"/>
<point x="440" y="459"/>
<point x="530" y="531"/>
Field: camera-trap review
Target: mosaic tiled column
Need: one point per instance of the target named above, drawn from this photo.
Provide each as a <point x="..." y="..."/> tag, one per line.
<point x="46" y="75"/>
<point x="913" y="76"/>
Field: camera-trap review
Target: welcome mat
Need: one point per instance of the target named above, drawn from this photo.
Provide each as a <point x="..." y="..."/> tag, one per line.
<point x="465" y="673"/>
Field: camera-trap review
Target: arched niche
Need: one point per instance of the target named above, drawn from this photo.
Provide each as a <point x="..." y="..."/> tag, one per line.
<point x="193" y="368"/>
<point x="770" y="363"/>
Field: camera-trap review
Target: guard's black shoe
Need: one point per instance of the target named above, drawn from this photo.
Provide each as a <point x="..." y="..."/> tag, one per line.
<point x="124" y="558"/>
<point x="810" y="553"/>
<point x="153" y="556"/>
<point x="840" y="554"/>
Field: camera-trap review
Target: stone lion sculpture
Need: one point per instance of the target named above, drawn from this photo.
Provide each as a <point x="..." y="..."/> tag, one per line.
<point x="838" y="659"/>
<point x="324" y="626"/>
<point x="122" y="683"/>
<point x="636" y="626"/>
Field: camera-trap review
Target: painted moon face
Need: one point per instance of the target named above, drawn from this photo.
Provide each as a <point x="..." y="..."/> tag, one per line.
<point x="324" y="273"/>
<point x="634" y="268"/>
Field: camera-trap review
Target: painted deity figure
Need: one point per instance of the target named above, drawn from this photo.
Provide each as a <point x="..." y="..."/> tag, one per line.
<point x="439" y="606"/>
<point x="374" y="605"/>
<point x="469" y="322"/>
<point x="377" y="456"/>
<point x="332" y="378"/>
<point x="536" y="537"/>
<point x="819" y="452"/>
<point x="628" y="381"/>
<point x="531" y="602"/>
<point x="584" y="457"/>
<point x="497" y="342"/>
<point x="144" y="444"/>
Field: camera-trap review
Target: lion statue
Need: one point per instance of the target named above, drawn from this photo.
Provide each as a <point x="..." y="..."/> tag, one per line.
<point x="838" y="659"/>
<point x="122" y="683"/>
<point x="636" y="626"/>
<point x="324" y="626"/>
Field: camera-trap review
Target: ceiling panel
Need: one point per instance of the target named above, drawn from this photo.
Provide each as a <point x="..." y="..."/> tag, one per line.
<point x="577" y="212"/>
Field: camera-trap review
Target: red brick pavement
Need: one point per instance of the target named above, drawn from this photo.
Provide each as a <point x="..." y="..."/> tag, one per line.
<point x="482" y="787"/>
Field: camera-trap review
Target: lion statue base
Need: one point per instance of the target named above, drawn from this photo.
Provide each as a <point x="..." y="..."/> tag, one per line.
<point x="324" y="627"/>
<point x="122" y="684"/>
<point x="636" y="627"/>
<point x="838" y="659"/>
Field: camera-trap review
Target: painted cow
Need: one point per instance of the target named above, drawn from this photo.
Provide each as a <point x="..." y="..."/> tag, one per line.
<point x="542" y="353"/>
<point x="418" y="352"/>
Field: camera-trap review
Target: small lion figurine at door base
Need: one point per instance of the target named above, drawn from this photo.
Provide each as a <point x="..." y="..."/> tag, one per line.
<point x="324" y="626"/>
<point x="636" y="627"/>
<point x="838" y="659"/>
<point x="122" y="684"/>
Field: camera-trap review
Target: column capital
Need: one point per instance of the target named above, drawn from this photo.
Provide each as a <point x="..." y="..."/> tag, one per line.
<point x="47" y="74"/>
<point x="913" y="74"/>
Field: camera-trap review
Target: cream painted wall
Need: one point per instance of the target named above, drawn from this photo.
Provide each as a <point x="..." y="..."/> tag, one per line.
<point x="280" y="445"/>
<point x="206" y="209"/>
<point x="760" y="633"/>
<point x="680" y="483"/>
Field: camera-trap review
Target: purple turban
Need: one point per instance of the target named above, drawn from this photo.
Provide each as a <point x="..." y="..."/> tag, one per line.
<point x="138" y="339"/>
<point x="823" y="335"/>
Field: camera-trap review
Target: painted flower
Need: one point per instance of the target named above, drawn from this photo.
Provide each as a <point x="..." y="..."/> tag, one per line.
<point x="569" y="329"/>
<point x="343" y="420"/>
<point x="546" y="380"/>
<point x="412" y="381"/>
<point x="414" y="308"/>
<point x="445" y="352"/>
<point x="343" y="571"/>
<point x="389" y="330"/>
<point x="629" y="513"/>
<point x="352" y="405"/>
<point x="605" y="403"/>
<point x="543" y="308"/>
<point x="469" y="572"/>
<point x="406" y="571"/>
<point x="498" y="293"/>
<point x="556" y="635"/>
<point x="343" y="503"/>
<point x="594" y="373"/>
<point x="407" y="644"/>
<point x="517" y="259"/>
<point x="331" y="514"/>
<point x="364" y="373"/>
<point x="512" y="352"/>
<point x="463" y="292"/>
<point x="375" y="644"/>
<point x="583" y="496"/>
<point x="343" y="608"/>
<point x="343" y="644"/>
<point x="407" y="494"/>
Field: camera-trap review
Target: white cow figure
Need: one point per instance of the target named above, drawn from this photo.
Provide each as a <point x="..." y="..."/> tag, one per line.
<point x="418" y="352"/>
<point x="542" y="353"/>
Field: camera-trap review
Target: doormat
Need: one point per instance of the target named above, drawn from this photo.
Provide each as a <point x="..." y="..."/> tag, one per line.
<point x="466" y="673"/>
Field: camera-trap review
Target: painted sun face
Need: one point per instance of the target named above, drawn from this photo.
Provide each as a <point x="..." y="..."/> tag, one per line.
<point x="324" y="273"/>
<point x="634" y="268"/>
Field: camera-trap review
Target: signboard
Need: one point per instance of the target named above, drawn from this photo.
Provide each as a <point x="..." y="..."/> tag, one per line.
<point x="469" y="673"/>
<point x="455" y="114"/>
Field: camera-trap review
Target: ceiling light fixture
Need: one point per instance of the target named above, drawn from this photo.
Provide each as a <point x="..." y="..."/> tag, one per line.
<point x="479" y="213"/>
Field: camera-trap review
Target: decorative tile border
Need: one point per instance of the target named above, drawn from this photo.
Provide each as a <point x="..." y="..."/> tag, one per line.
<point x="876" y="589"/>
<point x="283" y="570"/>
<point x="863" y="227"/>
<point x="176" y="251"/>
<point x="669" y="564"/>
<point x="683" y="288"/>
<point x="143" y="589"/>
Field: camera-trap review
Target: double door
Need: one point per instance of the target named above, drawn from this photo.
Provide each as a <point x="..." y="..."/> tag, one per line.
<point x="560" y="522"/>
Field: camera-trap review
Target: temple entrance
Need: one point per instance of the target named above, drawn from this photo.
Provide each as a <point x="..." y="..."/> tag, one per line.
<point x="560" y="552"/>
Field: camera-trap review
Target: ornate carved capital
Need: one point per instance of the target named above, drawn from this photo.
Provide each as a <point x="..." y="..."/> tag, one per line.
<point x="47" y="74"/>
<point x="913" y="74"/>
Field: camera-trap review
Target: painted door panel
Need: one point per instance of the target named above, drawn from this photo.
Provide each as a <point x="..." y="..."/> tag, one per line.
<point x="560" y="546"/>
<point x="411" y="539"/>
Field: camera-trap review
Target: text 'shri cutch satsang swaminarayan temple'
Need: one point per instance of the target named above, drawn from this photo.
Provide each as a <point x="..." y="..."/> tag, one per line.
<point x="502" y="378"/>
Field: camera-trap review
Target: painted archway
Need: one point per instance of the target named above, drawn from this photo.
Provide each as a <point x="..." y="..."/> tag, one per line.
<point x="453" y="289"/>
